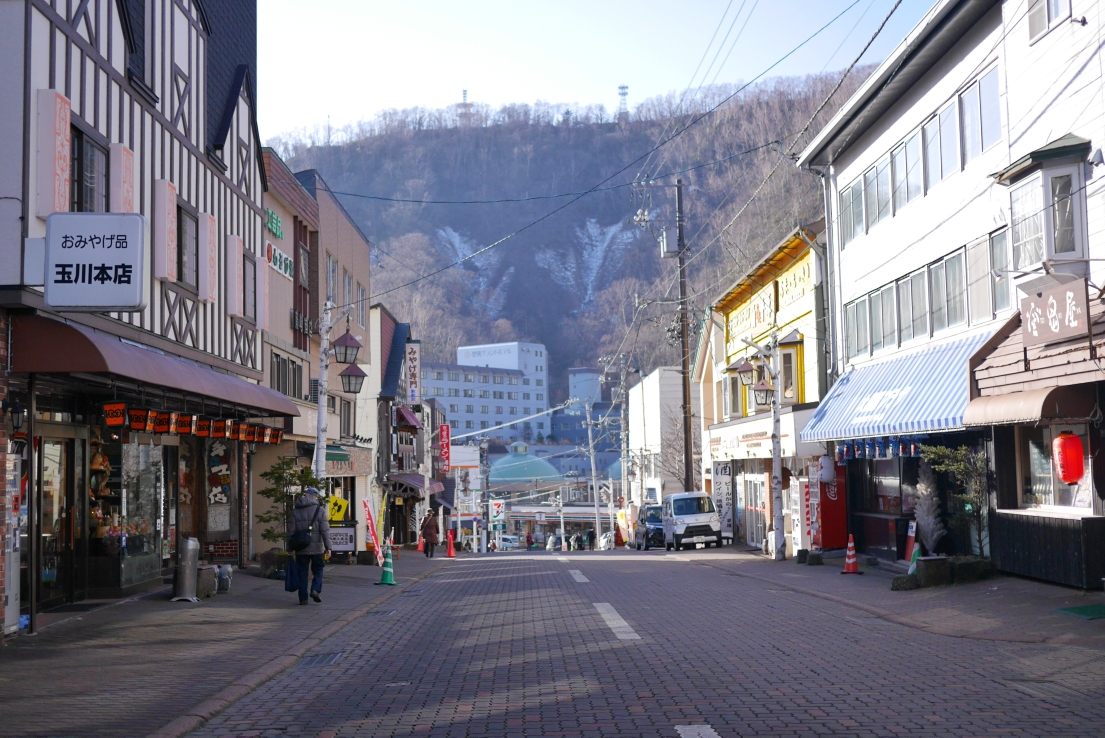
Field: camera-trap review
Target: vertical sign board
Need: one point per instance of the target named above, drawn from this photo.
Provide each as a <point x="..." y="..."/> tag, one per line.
<point x="97" y="262"/>
<point x="723" y="496"/>
<point x="414" y="373"/>
<point x="446" y="450"/>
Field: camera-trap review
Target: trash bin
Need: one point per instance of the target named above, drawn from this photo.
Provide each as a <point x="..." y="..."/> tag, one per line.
<point x="187" y="571"/>
<point x="223" y="577"/>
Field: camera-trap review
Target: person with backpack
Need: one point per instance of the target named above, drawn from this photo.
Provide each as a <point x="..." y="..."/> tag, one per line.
<point x="429" y="534"/>
<point x="309" y="539"/>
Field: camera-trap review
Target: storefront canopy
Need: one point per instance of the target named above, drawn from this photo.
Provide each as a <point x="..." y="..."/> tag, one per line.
<point x="417" y="482"/>
<point x="407" y="417"/>
<point x="1053" y="403"/>
<point x="45" y="346"/>
<point x="924" y="391"/>
<point x="333" y="453"/>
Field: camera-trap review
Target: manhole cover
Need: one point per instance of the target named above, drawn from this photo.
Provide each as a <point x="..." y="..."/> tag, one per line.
<point x="321" y="659"/>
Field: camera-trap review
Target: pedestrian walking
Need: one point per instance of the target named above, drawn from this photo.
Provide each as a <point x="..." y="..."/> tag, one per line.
<point x="591" y="539"/>
<point x="529" y="541"/>
<point x="309" y="515"/>
<point x="429" y="534"/>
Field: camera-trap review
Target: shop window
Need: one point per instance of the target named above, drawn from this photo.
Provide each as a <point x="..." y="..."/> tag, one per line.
<point x="883" y="333"/>
<point x="346" y="418"/>
<point x="1040" y="487"/>
<point x="187" y="248"/>
<point x="1044" y="15"/>
<point x="87" y="175"/>
<point x="855" y="328"/>
<point x="851" y="212"/>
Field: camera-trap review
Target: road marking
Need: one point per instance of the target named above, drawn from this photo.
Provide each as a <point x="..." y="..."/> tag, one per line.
<point x="696" y="731"/>
<point x="615" y="622"/>
<point x="578" y="575"/>
<point x="562" y="558"/>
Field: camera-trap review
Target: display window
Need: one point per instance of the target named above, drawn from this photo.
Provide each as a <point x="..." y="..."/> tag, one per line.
<point x="1040" y="487"/>
<point x="887" y="485"/>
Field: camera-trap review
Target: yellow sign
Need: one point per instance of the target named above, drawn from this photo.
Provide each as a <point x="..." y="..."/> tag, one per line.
<point x="338" y="508"/>
<point x="752" y="318"/>
<point x="795" y="284"/>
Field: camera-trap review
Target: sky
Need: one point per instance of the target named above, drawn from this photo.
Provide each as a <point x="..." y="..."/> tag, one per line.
<point x="347" y="60"/>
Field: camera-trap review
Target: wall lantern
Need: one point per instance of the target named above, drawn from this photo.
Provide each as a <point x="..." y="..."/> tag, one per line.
<point x="16" y="412"/>
<point x="346" y="348"/>
<point x="352" y="378"/>
<point x="763" y="391"/>
<point x="1069" y="457"/>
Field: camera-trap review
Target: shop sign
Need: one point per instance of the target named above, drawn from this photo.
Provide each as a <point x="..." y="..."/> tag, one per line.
<point x="279" y="261"/>
<point x="273" y="224"/>
<point x="142" y="421"/>
<point x="443" y="434"/>
<point x="1055" y="314"/>
<point x="414" y="373"/>
<point x="796" y="284"/>
<point x="219" y="491"/>
<point x="115" y="414"/>
<point x="97" y="261"/>
<point x="343" y="539"/>
<point x="752" y="318"/>
<point x="203" y="427"/>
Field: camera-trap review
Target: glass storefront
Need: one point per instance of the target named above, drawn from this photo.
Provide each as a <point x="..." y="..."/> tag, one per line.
<point x="1040" y="487"/>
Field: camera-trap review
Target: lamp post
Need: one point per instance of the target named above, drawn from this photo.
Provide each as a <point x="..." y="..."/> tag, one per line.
<point x="766" y="391"/>
<point x="344" y="351"/>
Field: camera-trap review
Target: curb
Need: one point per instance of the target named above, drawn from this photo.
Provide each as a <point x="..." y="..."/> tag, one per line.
<point x="887" y="614"/>
<point x="196" y="716"/>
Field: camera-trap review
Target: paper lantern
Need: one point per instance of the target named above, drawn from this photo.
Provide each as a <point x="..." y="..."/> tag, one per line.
<point x="141" y="420"/>
<point x="115" y="414"/>
<point x="1069" y="457"/>
<point x="203" y="427"/>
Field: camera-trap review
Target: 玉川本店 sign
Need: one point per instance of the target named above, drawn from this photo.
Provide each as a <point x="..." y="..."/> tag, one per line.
<point x="1055" y="314"/>
<point x="413" y="358"/>
<point x="97" y="261"/>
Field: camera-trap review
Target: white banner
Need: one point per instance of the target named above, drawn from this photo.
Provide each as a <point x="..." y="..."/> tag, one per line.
<point x="723" y="495"/>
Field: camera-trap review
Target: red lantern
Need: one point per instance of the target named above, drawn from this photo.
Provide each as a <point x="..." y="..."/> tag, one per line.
<point x="1069" y="457"/>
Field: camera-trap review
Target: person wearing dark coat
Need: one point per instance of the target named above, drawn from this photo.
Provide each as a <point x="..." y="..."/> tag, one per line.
<point x="429" y="534"/>
<point x="309" y="514"/>
<point x="591" y="539"/>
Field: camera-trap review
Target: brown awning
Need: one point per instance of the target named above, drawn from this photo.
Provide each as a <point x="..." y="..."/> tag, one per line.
<point x="1051" y="403"/>
<point x="44" y="346"/>
<point x="406" y="417"/>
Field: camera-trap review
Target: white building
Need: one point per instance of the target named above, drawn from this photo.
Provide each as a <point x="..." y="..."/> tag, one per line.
<point x="656" y="434"/>
<point x="959" y="188"/>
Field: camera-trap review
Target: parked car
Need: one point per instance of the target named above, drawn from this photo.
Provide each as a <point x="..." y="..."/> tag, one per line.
<point x="690" y="518"/>
<point x="509" y="543"/>
<point x="650" y="527"/>
<point x="552" y="543"/>
<point x="606" y="541"/>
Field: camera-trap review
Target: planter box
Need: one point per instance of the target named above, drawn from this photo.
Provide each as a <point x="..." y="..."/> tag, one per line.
<point x="934" y="571"/>
<point x="970" y="569"/>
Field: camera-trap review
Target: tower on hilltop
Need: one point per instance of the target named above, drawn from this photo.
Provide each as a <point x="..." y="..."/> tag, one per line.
<point x="623" y="109"/>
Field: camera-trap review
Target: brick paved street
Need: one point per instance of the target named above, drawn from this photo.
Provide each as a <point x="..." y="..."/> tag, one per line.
<point x="135" y="666"/>
<point x="516" y="645"/>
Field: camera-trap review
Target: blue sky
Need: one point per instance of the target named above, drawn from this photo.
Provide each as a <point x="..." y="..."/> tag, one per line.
<point x="349" y="59"/>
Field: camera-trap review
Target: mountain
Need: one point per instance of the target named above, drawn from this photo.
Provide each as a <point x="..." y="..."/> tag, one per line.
<point x="570" y="270"/>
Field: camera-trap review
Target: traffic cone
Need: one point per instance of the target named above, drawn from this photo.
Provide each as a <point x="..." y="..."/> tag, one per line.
<point x="449" y="552"/>
<point x="851" y="566"/>
<point x="388" y="576"/>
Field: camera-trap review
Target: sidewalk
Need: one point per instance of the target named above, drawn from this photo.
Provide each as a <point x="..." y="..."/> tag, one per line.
<point x="133" y="667"/>
<point x="1005" y="608"/>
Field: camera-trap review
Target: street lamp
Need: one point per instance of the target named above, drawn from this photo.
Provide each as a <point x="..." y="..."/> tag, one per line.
<point x="746" y="372"/>
<point x="346" y="348"/>
<point x="16" y="412"/>
<point x="763" y="392"/>
<point x="352" y="377"/>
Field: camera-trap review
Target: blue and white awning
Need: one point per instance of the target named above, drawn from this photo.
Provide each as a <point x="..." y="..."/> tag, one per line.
<point x="924" y="391"/>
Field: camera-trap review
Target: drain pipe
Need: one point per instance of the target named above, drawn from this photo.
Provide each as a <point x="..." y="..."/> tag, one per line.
<point x="831" y="276"/>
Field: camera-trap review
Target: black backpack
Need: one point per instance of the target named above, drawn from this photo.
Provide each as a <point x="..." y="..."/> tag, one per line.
<point x="301" y="539"/>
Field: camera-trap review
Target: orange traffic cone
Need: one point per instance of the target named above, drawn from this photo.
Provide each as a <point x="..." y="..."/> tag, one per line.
<point x="851" y="566"/>
<point x="421" y="544"/>
<point x="450" y="553"/>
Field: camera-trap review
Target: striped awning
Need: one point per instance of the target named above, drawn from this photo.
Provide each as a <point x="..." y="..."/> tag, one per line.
<point x="924" y="391"/>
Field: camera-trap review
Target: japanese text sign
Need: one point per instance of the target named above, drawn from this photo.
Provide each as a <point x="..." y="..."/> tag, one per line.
<point x="1055" y="314"/>
<point x="97" y="261"/>
<point x="414" y="373"/>
<point x="446" y="449"/>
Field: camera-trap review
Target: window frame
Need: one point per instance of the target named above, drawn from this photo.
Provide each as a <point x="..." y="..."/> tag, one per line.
<point x="1050" y="22"/>
<point x="249" y="286"/>
<point x="362" y="306"/>
<point x="79" y="139"/>
<point x="186" y="214"/>
<point x="1042" y="181"/>
<point x="1051" y="429"/>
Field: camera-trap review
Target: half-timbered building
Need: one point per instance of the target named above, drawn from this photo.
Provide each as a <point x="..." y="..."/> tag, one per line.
<point x="133" y="106"/>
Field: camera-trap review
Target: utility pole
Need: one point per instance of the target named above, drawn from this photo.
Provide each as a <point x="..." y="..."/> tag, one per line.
<point x="684" y="341"/>
<point x="594" y="470"/>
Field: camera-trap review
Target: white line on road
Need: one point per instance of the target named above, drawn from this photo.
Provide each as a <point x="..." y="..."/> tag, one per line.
<point x="696" y="731"/>
<point x="578" y="575"/>
<point x="615" y="622"/>
<point x="562" y="558"/>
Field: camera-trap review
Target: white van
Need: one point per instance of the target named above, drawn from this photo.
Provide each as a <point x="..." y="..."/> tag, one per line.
<point x="510" y="543"/>
<point x="690" y="518"/>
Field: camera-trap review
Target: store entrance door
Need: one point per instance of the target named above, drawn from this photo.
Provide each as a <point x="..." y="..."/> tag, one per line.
<point x="63" y="551"/>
